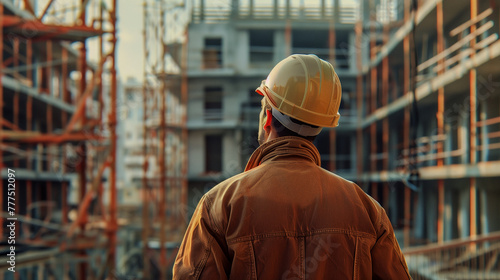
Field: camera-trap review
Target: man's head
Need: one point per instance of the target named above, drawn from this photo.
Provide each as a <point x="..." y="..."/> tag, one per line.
<point x="300" y="96"/>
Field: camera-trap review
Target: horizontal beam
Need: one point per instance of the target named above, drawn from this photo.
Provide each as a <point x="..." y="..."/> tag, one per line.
<point x="17" y="86"/>
<point x="36" y="137"/>
<point x="31" y="175"/>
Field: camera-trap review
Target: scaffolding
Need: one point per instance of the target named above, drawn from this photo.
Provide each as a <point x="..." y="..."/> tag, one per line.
<point x="164" y="181"/>
<point x="58" y="120"/>
<point x="419" y="130"/>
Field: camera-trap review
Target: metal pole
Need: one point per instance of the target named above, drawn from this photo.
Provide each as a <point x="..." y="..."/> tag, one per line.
<point x="145" y="201"/>
<point x="473" y="125"/>
<point x="162" y="155"/>
<point x="1" y="118"/>
<point x="112" y="223"/>
<point x="359" y="97"/>
<point x="406" y="121"/>
<point x="288" y="36"/>
<point x="82" y="165"/>
<point x="184" y="98"/>
<point x="373" y="105"/>
<point x="440" y="121"/>
<point x="385" y="122"/>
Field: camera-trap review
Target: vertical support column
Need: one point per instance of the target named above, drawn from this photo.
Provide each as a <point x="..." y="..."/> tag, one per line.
<point x="406" y="123"/>
<point x="145" y="202"/>
<point x="336" y="11"/>
<point x="29" y="61"/>
<point x="287" y="10"/>
<point x="385" y="121"/>
<point x="162" y="146"/>
<point x="49" y="116"/>
<point x="82" y="164"/>
<point x="251" y="7"/>
<point x="234" y="9"/>
<point x="101" y="55"/>
<point x="29" y="98"/>
<point x="288" y="37"/>
<point x="275" y="9"/>
<point x="440" y="121"/>
<point x="15" y="115"/>
<point x="473" y="126"/>
<point x="202" y="10"/>
<point x="373" y="106"/>
<point x="359" y="98"/>
<point x="112" y="223"/>
<point x="29" y="192"/>
<point x="323" y="9"/>
<point x="184" y="99"/>
<point x="64" y="82"/>
<point x="1" y="120"/>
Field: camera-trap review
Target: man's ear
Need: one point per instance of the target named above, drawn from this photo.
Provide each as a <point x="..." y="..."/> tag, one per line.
<point x="267" y="125"/>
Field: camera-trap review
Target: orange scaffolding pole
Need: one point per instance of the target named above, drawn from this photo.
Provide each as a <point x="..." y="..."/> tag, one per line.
<point x="1" y="118"/>
<point x="112" y="222"/>
<point x="373" y="104"/>
<point x="359" y="98"/>
<point x="145" y="201"/>
<point x="385" y="121"/>
<point x="184" y="98"/>
<point x="440" y="120"/>
<point x="406" y="122"/>
<point x="162" y="147"/>
<point x="473" y="125"/>
<point x="45" y="138"/>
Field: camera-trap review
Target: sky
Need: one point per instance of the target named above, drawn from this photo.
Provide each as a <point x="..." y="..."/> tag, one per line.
<point x="130" y="53"/>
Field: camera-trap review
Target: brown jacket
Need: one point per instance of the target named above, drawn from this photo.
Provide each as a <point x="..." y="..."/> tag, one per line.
<point x="287" y="218"/>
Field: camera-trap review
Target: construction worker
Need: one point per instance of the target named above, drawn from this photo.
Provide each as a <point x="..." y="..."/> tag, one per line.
<point x="285" y="217"/>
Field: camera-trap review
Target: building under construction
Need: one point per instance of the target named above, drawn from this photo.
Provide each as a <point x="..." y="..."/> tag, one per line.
<point x="420" y="113"/>
<point x="419" y="128"/>
<point x="57" y="139"/>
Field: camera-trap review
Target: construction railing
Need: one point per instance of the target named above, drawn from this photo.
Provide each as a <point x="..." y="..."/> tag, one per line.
<point x="346" y="14"/>
<point x="471" y="258"/>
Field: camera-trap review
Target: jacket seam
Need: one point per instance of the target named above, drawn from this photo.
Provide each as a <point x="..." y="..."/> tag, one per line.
<point x="253" y="275"/>
<point x="203" y="262"/>
<point x="400" y="256"/>
<point x="302" y="249"/>
<point x="356" y="255"/>
<point x="268" y="158"/>
<point x="212" y="219"/>
<point x="298" y="235"/>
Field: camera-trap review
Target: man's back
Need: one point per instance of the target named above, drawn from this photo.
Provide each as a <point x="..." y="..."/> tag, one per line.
<point x="287" y="218"/>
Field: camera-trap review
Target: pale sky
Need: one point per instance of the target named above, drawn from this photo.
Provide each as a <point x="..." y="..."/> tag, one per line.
<point x="130" y="53"/>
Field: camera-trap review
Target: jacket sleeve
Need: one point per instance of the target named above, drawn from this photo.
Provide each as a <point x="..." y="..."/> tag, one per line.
<point x="202" y="252"/>
<point x="388" y="261"/>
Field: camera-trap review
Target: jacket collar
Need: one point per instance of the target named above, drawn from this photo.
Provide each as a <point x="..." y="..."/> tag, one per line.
<point x="284" y="147"/>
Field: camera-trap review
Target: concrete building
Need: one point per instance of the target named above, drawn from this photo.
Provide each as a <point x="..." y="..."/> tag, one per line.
<point x="230" y="52"/>
<point x="419" y="126"/>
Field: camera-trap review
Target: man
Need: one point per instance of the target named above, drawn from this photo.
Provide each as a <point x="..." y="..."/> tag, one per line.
<point x="285" y="217"/>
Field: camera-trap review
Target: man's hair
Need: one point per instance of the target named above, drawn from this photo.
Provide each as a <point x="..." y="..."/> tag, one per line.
<point x="281" y="130"/>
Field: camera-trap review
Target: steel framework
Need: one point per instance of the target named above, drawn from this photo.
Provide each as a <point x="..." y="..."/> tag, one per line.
<point x="58" y="131"/>
<point x="164" y="188"/>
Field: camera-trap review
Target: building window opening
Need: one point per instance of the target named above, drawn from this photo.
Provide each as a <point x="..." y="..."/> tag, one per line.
<point x="213" y="154"/>
<point x="212" y="53"/>
<point x="261" y="46"/>
<point x="213" y="104"/>
<point x="311" y="42"/>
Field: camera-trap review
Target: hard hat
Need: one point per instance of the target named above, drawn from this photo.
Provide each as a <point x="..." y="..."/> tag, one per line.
<point x="305" y="88"/>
